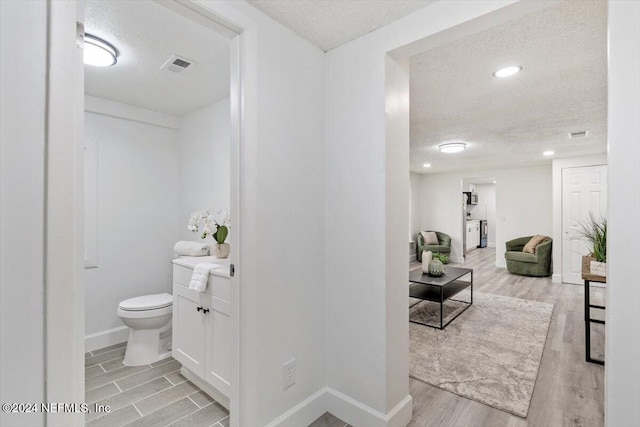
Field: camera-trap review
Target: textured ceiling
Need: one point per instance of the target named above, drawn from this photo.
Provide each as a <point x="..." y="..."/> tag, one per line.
<point x="146" y="35"/>
<point x="509" y="122"/>
<point x="331" y="23"/>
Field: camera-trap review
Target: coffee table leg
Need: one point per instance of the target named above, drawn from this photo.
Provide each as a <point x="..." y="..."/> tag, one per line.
<point x="441" y="304"/>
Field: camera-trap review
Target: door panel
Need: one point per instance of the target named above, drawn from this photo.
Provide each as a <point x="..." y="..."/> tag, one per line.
<point x="218" y="342"/>
<point x="584" y="190"/>
<point x="188" y="329"/>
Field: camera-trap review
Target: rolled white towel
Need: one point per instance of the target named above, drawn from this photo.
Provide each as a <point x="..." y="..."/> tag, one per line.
<point x="200" y="275"/>
<point x="188" y="248"/>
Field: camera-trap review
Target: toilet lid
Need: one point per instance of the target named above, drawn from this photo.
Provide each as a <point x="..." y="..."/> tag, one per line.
<point x="147" y="302"/>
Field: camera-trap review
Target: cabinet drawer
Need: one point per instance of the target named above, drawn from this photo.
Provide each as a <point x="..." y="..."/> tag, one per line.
<point x="182" y="275"/>
<point x="217" y="286"/>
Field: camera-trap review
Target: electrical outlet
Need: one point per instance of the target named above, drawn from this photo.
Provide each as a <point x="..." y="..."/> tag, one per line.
<point x="288" y="374"/>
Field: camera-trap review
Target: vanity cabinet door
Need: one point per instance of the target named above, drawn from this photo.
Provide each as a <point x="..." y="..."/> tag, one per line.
<point x="189" y="324"/>
<point x="218" y="344"/>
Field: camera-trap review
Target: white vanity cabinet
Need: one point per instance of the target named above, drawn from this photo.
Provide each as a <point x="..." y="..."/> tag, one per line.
<point x="202" y="329"/>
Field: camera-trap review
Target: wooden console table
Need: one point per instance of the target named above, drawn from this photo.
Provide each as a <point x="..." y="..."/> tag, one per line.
<point x="588" y="278"/>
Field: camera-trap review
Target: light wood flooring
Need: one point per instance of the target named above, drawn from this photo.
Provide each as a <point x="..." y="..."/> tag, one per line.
<point x="153" y="395"/>
<point x="568" y="391"/>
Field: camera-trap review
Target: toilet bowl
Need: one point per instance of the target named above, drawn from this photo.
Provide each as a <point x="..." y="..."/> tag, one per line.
<point x="149" y="320"/>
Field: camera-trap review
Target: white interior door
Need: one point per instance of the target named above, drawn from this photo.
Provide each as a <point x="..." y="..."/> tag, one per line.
<point x="584" y="190"/>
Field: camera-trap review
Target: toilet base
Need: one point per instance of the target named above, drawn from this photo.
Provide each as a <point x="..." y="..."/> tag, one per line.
<point x="146" y="346"/>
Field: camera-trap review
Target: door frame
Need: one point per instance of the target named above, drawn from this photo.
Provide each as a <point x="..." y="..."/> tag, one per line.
<point x="557" y="167"/>
<point x="564" y="232"/>
<point x="64" y="210"/>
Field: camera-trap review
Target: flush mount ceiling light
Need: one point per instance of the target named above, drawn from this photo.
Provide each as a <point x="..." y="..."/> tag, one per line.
<point x="98" y="52"/>
<point x="548" y="153"/>
<point x="581" y="134"/>
<point x="452" y="147"/>
<point x="507" y="71"/>
<point x="426" y="165"/>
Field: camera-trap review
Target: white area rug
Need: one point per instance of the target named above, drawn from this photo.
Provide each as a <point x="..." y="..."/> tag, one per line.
<point x="490" y="354"/>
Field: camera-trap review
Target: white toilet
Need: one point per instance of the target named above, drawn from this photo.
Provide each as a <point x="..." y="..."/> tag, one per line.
<point x="149" y="318"/>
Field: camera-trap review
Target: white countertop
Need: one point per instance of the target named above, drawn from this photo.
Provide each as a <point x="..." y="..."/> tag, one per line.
<point x="192" y="261"/>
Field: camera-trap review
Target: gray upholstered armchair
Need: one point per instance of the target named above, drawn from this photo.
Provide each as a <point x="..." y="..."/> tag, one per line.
<point x="443" y="246"/>
<point x="526" y="264"/>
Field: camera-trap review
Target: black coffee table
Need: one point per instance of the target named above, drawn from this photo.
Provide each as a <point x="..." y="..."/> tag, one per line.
<point x="440" y="289"/>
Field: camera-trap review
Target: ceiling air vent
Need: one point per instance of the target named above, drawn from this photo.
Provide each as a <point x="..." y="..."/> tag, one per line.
<point x="178" y="64"/>
<point x="577" y="135"/>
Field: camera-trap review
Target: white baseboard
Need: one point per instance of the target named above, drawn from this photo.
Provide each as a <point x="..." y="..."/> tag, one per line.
<point x="305" y="412"/>
<point x="106" y="338"/>
<point x="347" y="409"/>
<point x="556" y="278"/>
<point x="456" y="260"/>
<point x="491" y="244"/>
<point x="358" y="414"/>
<point x="501" y="264"/>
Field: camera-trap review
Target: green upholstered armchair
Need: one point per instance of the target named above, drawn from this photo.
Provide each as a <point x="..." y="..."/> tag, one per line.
<point x="526" y="264"/>
<point x="443" y="246"/>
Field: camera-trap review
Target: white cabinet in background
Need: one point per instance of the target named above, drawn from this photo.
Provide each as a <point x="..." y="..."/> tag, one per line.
<point x="473" y="235"/>
<point x="202" y="331"/>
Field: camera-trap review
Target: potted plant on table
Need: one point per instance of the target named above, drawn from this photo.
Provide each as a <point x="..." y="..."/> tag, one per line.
<point x="594" y="232"/>
<point x="218" y="228"/>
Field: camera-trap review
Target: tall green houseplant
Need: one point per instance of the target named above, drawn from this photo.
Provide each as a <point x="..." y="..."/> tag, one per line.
<point x="594" y="231"/>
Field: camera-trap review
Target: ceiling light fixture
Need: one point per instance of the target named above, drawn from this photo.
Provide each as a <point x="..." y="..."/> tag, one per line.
<point x="548" y="153"/>
<point x="98" y="52"/>
<point x="507" y="71"/>
<point x="426" y="165"/>
<point x="452" y="147"/>
<point x="581" y="134"/>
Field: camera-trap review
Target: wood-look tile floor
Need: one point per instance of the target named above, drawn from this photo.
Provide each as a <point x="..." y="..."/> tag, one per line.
<point x="153" y="395"/>
<point x="568" y="391"/>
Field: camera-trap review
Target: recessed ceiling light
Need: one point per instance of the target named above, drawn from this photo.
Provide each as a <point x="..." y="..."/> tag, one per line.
<point x="98" y="52"/>
<point x="452" y="147"/>
<point x="507" y="71"/>
<point x="494" y="182"/>
<point x="548" y="153"/>
<point x="426" y="165"/>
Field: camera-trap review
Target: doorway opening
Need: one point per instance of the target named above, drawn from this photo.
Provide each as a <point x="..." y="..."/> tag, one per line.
<point x="162" y="151"/>
<point x="514" y="138"/>
<point x="479" y="213"/>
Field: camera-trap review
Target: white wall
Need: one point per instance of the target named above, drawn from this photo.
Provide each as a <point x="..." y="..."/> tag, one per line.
<point x="414" y="205"/>
<point x="622" y="371"/>
<point x="204" y="151"/>
<point x="414" y="212"/>
<point x="441" y="208"/>
<point x="523" y="205"/>
<point x="137" y="215"/>
<point x="22" y="145"/>
<point x="558" y="238"/>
